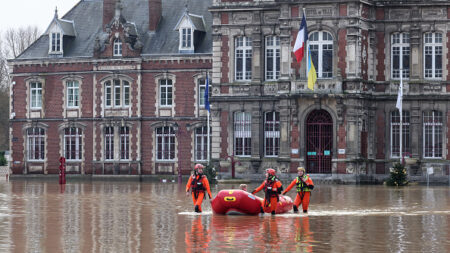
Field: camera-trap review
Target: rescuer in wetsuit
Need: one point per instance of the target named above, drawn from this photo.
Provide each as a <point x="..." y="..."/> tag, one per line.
<point x="304" y="185"/>
<point x="272" y="188"/>
<point x="197" y="185"/>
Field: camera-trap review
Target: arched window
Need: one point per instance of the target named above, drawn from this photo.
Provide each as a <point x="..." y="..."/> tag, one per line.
<point x="35" y="143"/>
<point x="242" y="133"/>
<point x="117" y="90"/>
<point x="72" y="143"/>
<point x="201" y="143"/>
<point x="321" y="47"/>
<point x="432" y="55"/>
<point x="125" y="143"/>
<point x="117" y="47"/>
<point x="400" y="55"/>
<point x="109" y="143"/>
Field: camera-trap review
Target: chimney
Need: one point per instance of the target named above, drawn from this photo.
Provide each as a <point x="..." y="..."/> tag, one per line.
<point x="155" y="10"/>
<point x="109" y="7"/>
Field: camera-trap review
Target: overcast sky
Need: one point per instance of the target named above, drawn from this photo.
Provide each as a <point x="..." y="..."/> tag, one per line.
<point x="22" y="13"/>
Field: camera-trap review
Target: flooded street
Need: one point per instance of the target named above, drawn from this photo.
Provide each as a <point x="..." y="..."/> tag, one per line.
<point x="158" y="217"/>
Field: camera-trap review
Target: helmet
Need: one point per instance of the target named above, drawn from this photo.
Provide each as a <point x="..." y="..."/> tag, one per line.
<point x="301" y="169"/>
<point x="271" y="172"/>
<point x="199" y="166"/>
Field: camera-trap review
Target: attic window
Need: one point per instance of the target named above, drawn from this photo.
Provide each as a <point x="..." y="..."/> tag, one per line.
<point x="186" y="38"/>
<point x="55" y="42"/>
<point x="117" y="47"/>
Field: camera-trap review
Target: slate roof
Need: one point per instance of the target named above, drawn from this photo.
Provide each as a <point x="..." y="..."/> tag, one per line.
<point x="88" y="20"/>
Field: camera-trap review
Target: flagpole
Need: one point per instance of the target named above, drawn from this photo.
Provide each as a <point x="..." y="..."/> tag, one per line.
<point x="401" y="116"/>
<point x="209" y="134"/>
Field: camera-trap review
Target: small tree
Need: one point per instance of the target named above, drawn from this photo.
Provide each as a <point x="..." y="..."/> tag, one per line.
<point x="398" y="176"/>
<point x="210" y="173"/>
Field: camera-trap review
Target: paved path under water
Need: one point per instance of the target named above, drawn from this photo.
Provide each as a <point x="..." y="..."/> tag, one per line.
<point x="158" y="217"/>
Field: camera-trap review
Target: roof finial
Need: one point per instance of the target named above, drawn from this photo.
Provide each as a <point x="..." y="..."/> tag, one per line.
<point x="186" y="6"/>
<point x="56" y="12"/>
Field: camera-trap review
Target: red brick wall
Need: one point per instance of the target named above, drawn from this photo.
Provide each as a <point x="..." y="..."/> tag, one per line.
<point x="380" y="137"/>
<point x="17" y="147"/>
<point x="294" y="11"/>
<point x="380" y="56"/>
<point x="108" y="11"/>
<point x="343" y="10"/>
<point x="225" y="59"/>
<point x="185" y="94"/>
<point x="342" y="52"/>
<point x="224" y="18"/>
<point x="127" y="52"/>
<point x="146" y="147"/>
<point x="379" y="14"/>
<point x="184" y="148"/>
<point x="342" y="144"/>
<point x="224" y="133"/>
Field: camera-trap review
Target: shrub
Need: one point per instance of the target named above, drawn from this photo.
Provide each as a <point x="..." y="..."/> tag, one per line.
<point x="210" y="173"/>
<point x="398" y="176"/>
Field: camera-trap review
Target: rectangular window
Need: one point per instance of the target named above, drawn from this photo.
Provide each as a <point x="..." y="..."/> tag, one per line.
<point x="201" y="143"/>
<point x="433" y="55"/>
<point x="56" y="42"/>
<point x="72" y="93"/>
<point x="242" y="134"/>
<point x="395" y="134"/>
<point x="36" y="95"/>
<point x="432" y="134"/>
<point x="165" y="143"/>
<point x="400" y="51"/>
<point x="109" y="143"/>
<point x="243" y="55"/>
<point x="165" y="90"/>
<point x="320" y="45"/>
<point x="108" y="94"/>
<point x="72" y="143"/>
<point x="186" y="38"/>
<point x="273" y="50"/>
<point x="272" y="133"/>
<point x="201" y="92"/>
<point x="117" y="88"/>
<point x="126" y="93"/>
<point x="117" y="47"/>
<point x="35" y="143"/>
<point x="125" y="143"/>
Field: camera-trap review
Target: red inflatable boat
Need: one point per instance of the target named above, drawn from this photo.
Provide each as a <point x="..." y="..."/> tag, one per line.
<point x="242" y="202"/>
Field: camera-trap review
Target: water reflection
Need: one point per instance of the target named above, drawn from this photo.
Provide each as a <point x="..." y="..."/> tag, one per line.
<point x="150" y="217"/>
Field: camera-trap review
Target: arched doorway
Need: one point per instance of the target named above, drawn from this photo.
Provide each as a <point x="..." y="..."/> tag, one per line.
<point x="319" y="142"/>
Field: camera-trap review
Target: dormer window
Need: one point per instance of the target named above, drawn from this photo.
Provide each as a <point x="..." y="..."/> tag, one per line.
<point x="186" y="39"/>
<point x="56" y="42"/>
<point x="117" y="47"/>
<point x="191" y="29"/>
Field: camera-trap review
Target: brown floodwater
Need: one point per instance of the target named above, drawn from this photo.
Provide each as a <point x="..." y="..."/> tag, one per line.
<point x="158" y="217"/>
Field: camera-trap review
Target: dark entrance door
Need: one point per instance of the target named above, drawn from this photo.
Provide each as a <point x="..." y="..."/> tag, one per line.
<point x="319" y="142"/>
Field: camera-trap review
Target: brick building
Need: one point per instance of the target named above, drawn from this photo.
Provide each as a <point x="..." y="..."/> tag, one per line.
<point x="264" y="113"/>
<point x="116" y="87"/>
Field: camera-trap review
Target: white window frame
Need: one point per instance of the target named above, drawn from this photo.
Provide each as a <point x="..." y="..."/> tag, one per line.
<point x="433" y="46"/>
<point x="243" y="51"/>
<point x="117" y="93"/>
<point x="201" y="143"/>
<point x="166" y="89"/>
<point x="73" y="89"/>
<point x="73" y="139"/>
<point x="272" y="57"/>
<point x="434" y="124"/>
<point x="272" y="133"/>
<point x="186" y="38"/>
<point x="321" y="41"/>
<point x="242" y="134"/>
<point x="35" y="144"/>
<point x="201" y="92"/>
<point x="35" y="95"/>
<point x="165" y="141"/>
<point x="124" y="143"/>
<point x="55" y="42"/>
<point x="117" y="51"/>
<point x="395" y="131"/>
<point x="401" y="46"/>
<point x="109" y="143"/>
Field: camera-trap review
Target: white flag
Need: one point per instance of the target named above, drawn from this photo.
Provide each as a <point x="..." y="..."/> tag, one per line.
<point x="400" y="97"/>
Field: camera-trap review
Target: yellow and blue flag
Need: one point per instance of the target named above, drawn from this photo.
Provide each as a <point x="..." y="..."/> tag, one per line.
<point x="312" y="75"/>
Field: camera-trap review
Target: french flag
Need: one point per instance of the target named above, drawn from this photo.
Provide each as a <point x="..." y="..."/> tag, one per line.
<point x="300" y="42"/>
